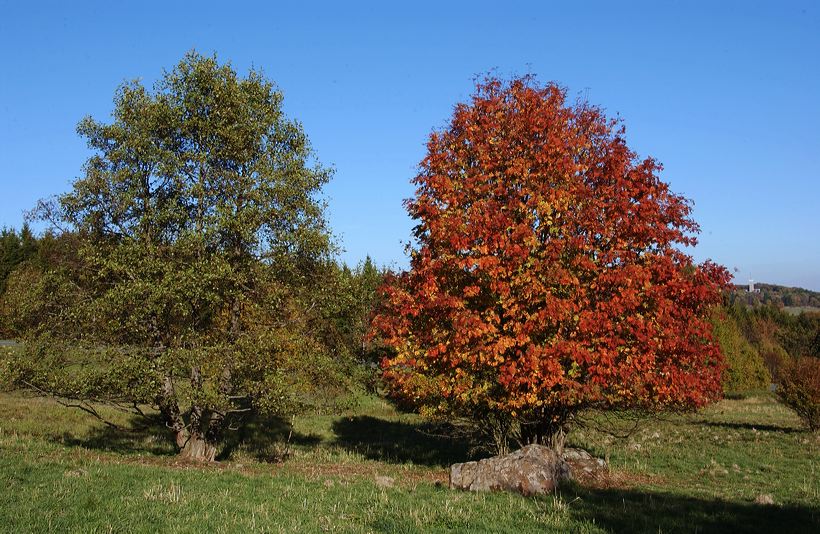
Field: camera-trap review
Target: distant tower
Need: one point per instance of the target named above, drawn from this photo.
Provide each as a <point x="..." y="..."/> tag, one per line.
<point x="751" y="286"/>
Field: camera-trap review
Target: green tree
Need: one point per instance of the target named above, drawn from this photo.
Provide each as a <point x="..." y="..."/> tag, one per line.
<point x="342" y="317"/>
<point x="198" y="220"/>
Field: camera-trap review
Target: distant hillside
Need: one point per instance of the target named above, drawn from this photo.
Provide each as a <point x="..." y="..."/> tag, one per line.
<point x="791" y="298"/>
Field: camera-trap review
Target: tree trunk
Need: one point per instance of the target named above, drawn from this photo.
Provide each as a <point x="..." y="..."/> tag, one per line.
<point x="556" y="440"/>
<point x="169" y="408"/>
<point x="199" y="446"/>
<point x="199" y="449"/>
<point x="192" y="441"/>
<point x="550" y="432"/>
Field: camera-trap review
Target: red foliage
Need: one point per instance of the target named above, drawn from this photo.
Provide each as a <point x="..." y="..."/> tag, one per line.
<point x="548" y="276"/>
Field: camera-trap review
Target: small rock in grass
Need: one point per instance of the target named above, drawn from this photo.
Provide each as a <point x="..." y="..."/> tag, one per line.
<point x="384" y="482"/>
<point x="764" y="498"/>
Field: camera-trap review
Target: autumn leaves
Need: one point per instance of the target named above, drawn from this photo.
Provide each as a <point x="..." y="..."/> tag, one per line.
<point x="548" y="275"/>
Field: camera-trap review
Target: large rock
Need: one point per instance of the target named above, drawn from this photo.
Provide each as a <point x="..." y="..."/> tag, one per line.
<point x="530" y="470"/>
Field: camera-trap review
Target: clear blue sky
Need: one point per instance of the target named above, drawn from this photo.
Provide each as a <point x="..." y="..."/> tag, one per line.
<point x="725" y="94"/>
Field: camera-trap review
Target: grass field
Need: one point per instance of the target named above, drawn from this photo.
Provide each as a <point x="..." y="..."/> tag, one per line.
<point x="374" y="470"/>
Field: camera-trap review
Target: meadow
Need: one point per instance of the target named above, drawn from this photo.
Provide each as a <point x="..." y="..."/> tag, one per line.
<point x="374" y="469"/>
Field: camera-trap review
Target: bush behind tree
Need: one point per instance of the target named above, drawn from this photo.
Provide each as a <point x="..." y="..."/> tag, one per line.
<point x="745" y="368"/>
<point x="799" y="389"/>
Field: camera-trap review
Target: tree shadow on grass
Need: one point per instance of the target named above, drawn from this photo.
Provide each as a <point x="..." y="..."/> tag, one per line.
<point x="647" y="511"/>
<point x="263" y="438"/>
<point x="750" y="426"/>
<point x="139" y="435"/>
<point x="401" y="442"/>
<point x="266" y="438"/>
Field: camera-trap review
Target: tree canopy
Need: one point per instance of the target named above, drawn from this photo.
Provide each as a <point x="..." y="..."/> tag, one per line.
<point x="548" y="274"/>
<point x="199" y="230"/>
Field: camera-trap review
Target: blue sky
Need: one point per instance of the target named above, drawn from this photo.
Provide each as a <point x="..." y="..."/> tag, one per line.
<point x="725" y="94"/>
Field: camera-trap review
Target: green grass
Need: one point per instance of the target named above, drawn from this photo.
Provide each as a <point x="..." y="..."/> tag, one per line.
<point x="62" y="471"/>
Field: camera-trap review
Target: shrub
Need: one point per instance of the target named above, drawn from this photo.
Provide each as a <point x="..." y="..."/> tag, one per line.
<point x="774" y="356"/>
<point x="799" y="389"/>
<point x="745" y="368"/>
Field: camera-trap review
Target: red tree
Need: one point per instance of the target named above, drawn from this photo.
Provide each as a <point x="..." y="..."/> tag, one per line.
<point x="548" y="276"/>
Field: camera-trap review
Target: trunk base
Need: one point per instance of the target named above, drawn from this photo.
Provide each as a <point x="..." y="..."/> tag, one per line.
<point x="198" y="449"/>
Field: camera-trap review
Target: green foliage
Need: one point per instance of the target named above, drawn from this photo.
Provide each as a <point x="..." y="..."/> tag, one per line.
<point x="799" y="389"/>
<point x="42" y="290"/>
<point x="346" y="300"/>
<point x="199" y="235"/>
<point x="745" y="369"/>
<point x="16" y="248"/>
<point x="37" y="301"/>
<point x="339" y="319"/>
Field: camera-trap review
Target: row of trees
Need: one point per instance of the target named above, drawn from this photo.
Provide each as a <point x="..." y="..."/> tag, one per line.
<point x="745" y="367"/>
<point x="770" y="326"/>
<point x="190" y="269"/>
<point x="765" y="344"/>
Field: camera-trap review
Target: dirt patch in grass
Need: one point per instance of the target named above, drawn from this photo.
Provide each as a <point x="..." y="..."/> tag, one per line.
<point x="615" y="479"/>
<point x="351" y="472"/>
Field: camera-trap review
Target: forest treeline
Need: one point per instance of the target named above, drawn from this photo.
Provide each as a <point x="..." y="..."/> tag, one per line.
<point x="778" y="296"/>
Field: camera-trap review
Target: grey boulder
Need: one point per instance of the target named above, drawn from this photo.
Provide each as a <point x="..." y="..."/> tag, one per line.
<point x="531" y="470"/>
